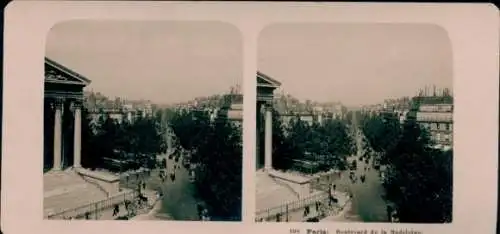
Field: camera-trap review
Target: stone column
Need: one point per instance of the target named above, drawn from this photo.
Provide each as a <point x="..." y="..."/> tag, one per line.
<point x="77" y="142"/>
<point x="268" y="161"/>
<point x="57" y="133"/>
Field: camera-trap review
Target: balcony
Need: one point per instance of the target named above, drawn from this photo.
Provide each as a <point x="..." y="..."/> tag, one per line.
<point x="434" y="117"/>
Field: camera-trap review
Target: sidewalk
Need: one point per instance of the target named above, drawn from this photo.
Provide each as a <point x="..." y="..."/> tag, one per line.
<point x="152" y="214"/>
<point x="339" y="216"/>
<point x="108" y="213"/>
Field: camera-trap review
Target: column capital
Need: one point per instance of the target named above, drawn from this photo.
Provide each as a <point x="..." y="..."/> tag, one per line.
<point x="268" y="106"/>
<point x="57" y="103"/>
<point x="76" y="104"/>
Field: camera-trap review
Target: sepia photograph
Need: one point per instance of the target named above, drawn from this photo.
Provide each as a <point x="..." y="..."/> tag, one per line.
<point x="142" y="121"/>
<point x="354" y="123"/>
<point x="218" y="117"/>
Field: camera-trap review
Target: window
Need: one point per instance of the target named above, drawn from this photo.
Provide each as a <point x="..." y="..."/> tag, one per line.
<point x="433" y="126"/>
<point x="444" y="126"/>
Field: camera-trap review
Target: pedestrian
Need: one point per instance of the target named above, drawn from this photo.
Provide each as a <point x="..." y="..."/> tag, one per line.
<point x="87" y="215"/>
<point x="199" y="208"/>
<point x="389" y="213"/>
<point x="116" y="210"/>
<point x="139" y="187"/>
<point x="127" y="206"/>
<point x="204" y="214"/>
<point x="144" y="185"/>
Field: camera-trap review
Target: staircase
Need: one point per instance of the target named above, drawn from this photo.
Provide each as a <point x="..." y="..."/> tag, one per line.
<point x="96" y="185"/>
<point x="271" y="194"/>
<point x="285" y="185"/>
<point x="53" y="180"/>
<point x="66" y="189"/>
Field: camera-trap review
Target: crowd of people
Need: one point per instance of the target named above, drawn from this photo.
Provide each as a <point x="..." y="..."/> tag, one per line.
<point x="179" y="159"/>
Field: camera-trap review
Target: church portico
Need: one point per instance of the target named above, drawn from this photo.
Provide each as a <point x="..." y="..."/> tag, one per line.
<point x="280" y="195"/>
<point x="66" y="191"/>
<point x="66" y="135"/>
<point x="63" y="99"/>
<point x="265" y="88"/>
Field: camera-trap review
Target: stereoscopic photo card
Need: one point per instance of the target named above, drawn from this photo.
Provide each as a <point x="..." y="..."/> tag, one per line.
<point x="313" y="118"/>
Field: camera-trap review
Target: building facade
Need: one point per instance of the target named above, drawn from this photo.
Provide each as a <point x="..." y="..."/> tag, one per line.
<point x="265" y="95"/>
<point x="63" y="99"/>
<point x="436" y="115"/>
<point x="119" y="115"/>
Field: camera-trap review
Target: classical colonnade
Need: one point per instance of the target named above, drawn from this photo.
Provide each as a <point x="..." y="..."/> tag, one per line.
<point x="265" y="110"/>
<point x="265" y="88"/>
<point x="58" y="105"/>
<point x="268" y="130"/>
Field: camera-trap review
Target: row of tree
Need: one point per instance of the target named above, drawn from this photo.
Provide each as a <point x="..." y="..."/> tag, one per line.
<point x="328" y="143"/>
<point x="419" y="178"/>
<point x="216" y="148"/>
<point x="137" y="142"/>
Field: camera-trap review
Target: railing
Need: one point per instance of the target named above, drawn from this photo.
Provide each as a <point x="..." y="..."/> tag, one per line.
<point x="291" y="206"/>
<point x="93" y="209"/>
<point x="322" y="182"/>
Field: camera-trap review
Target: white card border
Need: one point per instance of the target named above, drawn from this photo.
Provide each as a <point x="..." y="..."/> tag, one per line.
<point x="472" y="28"/>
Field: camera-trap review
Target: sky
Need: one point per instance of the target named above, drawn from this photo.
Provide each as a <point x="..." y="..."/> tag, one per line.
<point x="165" y="62"/>
<point x="356" y="64"/>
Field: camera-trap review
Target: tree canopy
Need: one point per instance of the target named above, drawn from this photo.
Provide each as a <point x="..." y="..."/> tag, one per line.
<point x="283" y="150"/>
<point x="138" y="141"/>
<point x="382" y="132"/>
<point x="191" y="127"/>
<point x="327" y="143"/>
<point x="216" y="148"/>
<point x="418" y="178"/>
